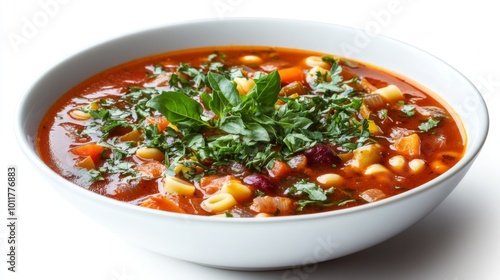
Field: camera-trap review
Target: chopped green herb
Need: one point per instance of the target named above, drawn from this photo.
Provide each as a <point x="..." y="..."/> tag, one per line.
<point x="428" y="125"/>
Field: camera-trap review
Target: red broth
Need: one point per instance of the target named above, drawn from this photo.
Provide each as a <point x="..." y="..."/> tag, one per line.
<point x="249" y="132"/>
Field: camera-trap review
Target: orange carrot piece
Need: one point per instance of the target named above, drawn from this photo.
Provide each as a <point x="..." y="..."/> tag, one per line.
<point x="279" y="170"/>
<point x="93" y="150"/>
<point x="289" y="75"/>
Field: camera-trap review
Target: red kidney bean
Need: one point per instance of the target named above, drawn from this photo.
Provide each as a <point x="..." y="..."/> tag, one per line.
<point x="261" y="182"/>
<point x="321" y="155"/>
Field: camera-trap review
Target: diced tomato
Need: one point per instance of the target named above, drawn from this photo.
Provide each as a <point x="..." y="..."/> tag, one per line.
<point x="272" y="205"/>
<point x="152" y="169"/>
<point x="289" y="75"/>
<point x="161" y="202"/>
<point x="213" y="183"/>
<point x="160" y="121"/>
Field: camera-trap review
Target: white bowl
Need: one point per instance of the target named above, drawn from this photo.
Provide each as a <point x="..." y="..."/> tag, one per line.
<point x="277" y="242"/>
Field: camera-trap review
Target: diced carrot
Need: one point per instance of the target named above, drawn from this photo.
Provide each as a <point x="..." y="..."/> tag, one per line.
<point x="289" y="75"/>
<point x="160" y="121"/>
<point x="93" y="150"/>
<point x="279" y="170"/>
<point x="408" y="145"/>
<point x="161" y="202"/>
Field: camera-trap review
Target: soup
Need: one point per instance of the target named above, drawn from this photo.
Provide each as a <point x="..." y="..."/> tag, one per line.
<point x="249" y="132"/>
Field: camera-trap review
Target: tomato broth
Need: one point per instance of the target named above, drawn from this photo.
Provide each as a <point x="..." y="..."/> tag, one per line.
<point x="249" y="132"/>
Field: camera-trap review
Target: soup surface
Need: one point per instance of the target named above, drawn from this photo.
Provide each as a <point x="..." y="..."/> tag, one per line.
<point x="249" y="132"/>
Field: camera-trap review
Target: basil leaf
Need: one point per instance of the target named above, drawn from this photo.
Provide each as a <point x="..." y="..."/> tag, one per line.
<point x="177" y="107"/>
<point x="297" y="142"/>
<point x="256" y="132"/>
<point x="266" y="89"/>
<point x="233" y="125"/>
<point x="224" y="93"/>
<point x="194" y="141"/>
<point x="252" y="132"/>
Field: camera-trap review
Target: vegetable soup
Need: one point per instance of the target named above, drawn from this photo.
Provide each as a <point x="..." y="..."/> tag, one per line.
<point x="249" y="132"/>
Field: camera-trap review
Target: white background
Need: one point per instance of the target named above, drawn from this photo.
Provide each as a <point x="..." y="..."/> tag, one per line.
<point x="458" y="241"/>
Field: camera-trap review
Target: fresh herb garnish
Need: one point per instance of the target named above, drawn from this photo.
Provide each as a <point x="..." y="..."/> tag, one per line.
<point x="428" y="125"/>
<point x="408" y="110"/>
<point x="215" y="123"/>
<point x="311" y="194"/>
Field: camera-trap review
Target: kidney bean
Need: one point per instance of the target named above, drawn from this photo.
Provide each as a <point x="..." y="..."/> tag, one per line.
<point x="322" y="154"/>
<point x="261" y="182"/>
